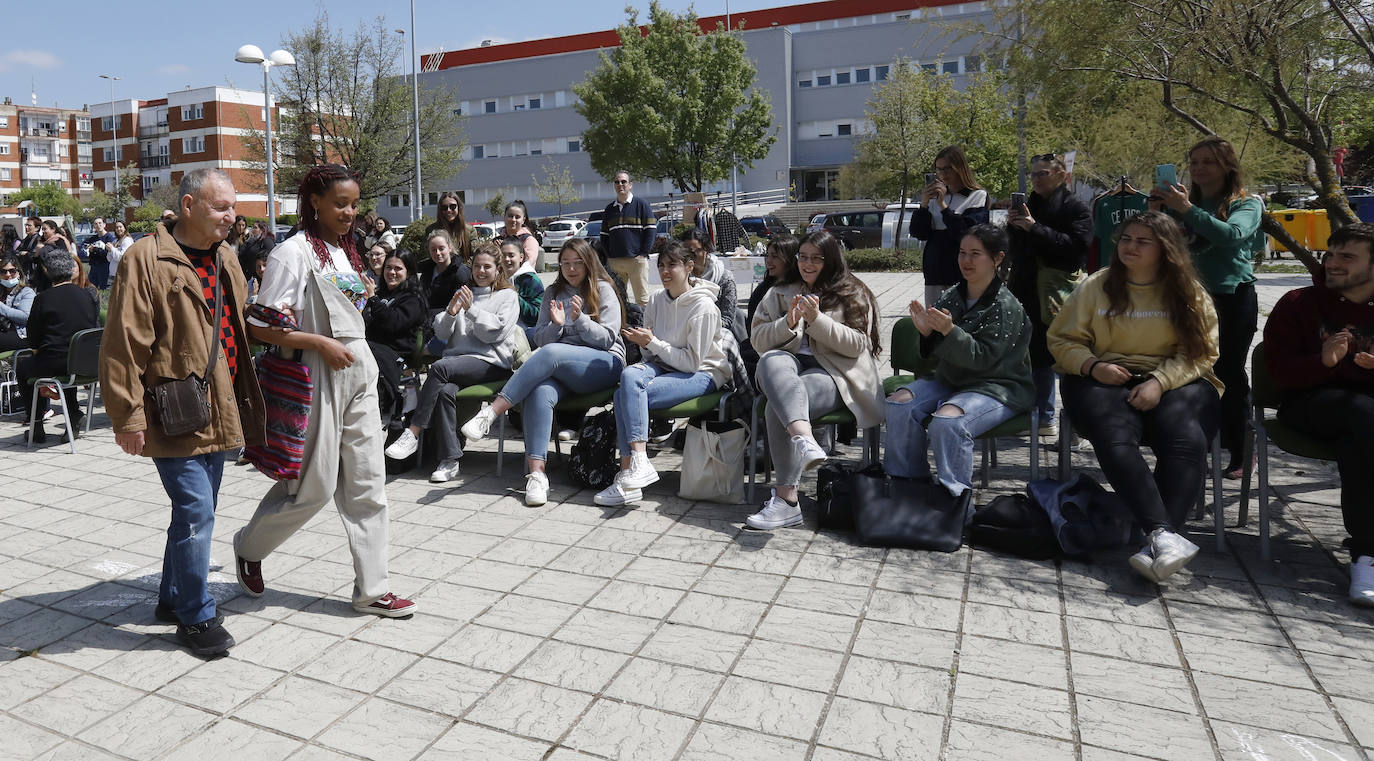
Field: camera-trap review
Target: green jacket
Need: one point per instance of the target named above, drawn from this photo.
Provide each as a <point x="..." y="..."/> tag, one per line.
<point x="988" y="351"/>
<point x="1222" y="248"/>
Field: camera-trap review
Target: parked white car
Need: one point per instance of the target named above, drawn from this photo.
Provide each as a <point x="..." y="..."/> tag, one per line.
<point x="817" y="223"/>
<point x="559" y="231"/>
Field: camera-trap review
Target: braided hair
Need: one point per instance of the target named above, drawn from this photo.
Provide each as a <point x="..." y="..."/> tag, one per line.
<point x="316" y="182"/>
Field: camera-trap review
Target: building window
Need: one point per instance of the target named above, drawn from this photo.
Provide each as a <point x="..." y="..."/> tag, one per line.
<point x="536" y="103"/>
<point x="519" y="106"/>
<point x="903" y="17"/>
<point x="929" y="67"/>
<point x="880" y="73"/>
<point x="574" y="146"/>
<point x="951" y="67"/>
<point x="823" y="80"/>
<point x="479" y="151"/>
<point x="4" y="149"/>
<point x="861" y="75"/>
<point x="83" y="124"/>
<point x="192" y="144"/>
<point x="973" y="63"/>
<point x="395" y="201"/>
<point x="433" y="199"/>
<point x="61" y="126"/>
<point x="5" y="175"/>
<point x="109" y="154"/>
<point x="457" y="112"/>
<point x="191" y="113"/>
<point x="489" y="107"/>
<point x="536" y="151"/>
<point x="62" y="149"/>
<point x="841" y="77"/>
<point x="107" y="123"/>
<point x="804" y="83"/>
<point x="844" y="129"/>
<point x="5" y="122"/>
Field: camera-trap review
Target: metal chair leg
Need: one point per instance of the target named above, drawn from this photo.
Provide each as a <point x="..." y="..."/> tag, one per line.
<point x="1065" y="439"/>
<point x="753" y="448"/>
<point x="1218" y="507"/>
<point x="501" y="446"/>
<point x="66" y="415"/>
<point x="1035" y="445"/>
<point x="1262" y="445"/>
<point x="90" y="406"/>
<point x="985" y="443"/>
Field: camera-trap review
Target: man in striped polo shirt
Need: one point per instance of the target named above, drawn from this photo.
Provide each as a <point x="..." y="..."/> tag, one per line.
<point x="627" y="237"/>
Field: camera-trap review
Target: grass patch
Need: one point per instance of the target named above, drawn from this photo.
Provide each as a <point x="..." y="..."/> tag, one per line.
<point x="883" y="260"/>
<point x="1285" y="268"/>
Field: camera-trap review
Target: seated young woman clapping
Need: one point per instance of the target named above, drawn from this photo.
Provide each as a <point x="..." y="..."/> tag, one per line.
<point x="580" y="351"/>
<point x="975" y="368"/>
<point x="393" y="315"/>
<point x="684" y="358"/>
<point x="1136" y="343"/>
<point x="818" y="340"/>
<point x="478" y="325"/>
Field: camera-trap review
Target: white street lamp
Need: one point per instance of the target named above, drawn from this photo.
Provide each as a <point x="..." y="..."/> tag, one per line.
<point x="114" y="131"/>
<point x="253" y="54"/>
<point x="415" y="205"/>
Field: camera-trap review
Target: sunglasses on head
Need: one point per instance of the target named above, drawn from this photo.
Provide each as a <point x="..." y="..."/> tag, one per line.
<point x="1045" y="157"/>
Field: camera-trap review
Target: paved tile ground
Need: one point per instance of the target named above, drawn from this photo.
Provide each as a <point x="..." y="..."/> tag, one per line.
<point x="663" y="631"/>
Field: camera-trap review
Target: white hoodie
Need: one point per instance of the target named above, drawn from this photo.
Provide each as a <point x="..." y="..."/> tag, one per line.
<point x="686" y="331"/>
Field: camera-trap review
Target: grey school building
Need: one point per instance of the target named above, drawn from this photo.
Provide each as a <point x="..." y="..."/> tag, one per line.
<point x="818" y="63"/>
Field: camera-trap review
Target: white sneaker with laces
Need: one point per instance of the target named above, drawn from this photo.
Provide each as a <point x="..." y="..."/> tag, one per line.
<point x="479" y="425"/>
<point x="1171" y="552"/>
<point x="1143" y="562"/>
<point x="1362" y="581"/>
<point x="404" y="446"/>
<point x="536" y="489"/>
<point x="618" y="493"/>
<point x="1049" y="429"/>
<point x="776" y="513"/>
<point x="640" y="474"/>
<point x="447" y="471"/>
<point x="567" y="434"/>
<point x="809" y="453"/>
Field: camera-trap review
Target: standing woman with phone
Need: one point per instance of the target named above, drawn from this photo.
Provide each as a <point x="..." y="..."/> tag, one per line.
<point x="1221" y="220"/>
<point x="1050" y="235"/>
<point x="952" y="203"/>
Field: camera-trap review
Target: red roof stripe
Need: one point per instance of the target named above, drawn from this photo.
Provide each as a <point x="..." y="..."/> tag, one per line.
<point x="749" y="20"/>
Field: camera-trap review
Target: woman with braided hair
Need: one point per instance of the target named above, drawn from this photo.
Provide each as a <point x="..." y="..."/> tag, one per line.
<point x="315" y="278"/>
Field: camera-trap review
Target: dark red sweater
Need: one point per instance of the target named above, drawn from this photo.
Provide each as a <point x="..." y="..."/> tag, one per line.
<point x="1293" y="337"/>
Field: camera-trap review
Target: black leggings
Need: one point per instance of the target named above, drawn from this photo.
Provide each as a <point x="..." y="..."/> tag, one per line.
<point x="1178" y="430"/>
<point x="1345" y="419"/>
<point x="1237" y="316"/>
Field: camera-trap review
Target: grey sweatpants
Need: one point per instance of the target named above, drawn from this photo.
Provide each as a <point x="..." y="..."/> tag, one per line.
<point x="797" y="388"/>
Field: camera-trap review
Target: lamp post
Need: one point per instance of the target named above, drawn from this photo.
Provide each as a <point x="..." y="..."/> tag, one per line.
<point x="114" y="132"/>
<point x="253" y="54"/>
<point x="415" y="92"/>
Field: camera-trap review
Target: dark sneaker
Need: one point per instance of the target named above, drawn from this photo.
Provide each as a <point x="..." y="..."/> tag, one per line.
<point x="249" y="573"/>
<point x="206" y="638"/>
<point x="389" y="606"/>
<point x="164" y="613"/>
<point x="39" y="435"/>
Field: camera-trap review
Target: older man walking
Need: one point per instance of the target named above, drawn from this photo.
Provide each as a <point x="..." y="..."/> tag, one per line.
<point x="161" y="327"/>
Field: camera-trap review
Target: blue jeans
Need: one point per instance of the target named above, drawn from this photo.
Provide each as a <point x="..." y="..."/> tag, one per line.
<point x="648" y="386"/>
<point x="1045" y="382"/>
<point x="192" y="483"/>
<point x="551" y="373"/>
<point x="951" y="437"/>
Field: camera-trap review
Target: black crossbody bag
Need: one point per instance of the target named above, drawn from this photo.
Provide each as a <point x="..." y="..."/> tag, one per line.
<point x="183" y="406"/>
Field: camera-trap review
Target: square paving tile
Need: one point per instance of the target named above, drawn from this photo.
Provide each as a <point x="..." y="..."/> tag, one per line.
<point x="530" y="709"/>
<point x="407" y="731"/>
<point x="629" y="733"/>
<point x="770" y="708"/>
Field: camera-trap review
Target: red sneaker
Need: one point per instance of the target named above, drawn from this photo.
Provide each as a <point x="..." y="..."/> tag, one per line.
<point x="250" y="574"/>
<point x="389" y="606"/>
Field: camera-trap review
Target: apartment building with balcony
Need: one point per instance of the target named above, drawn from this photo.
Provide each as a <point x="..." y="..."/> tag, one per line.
<point x="44" y="146"/>
<point x="161" y="139"/>
<point x="818" y="63"/>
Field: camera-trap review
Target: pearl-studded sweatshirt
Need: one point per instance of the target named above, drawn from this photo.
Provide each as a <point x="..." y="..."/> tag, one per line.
<point x="987" y="351"/>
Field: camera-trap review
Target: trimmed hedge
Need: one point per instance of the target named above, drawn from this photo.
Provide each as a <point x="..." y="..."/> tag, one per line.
<point x="883" y="260"/>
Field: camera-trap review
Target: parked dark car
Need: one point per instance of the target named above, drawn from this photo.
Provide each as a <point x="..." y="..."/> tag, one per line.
<point x="765" y="226"/>
<point x="856" y="229"/>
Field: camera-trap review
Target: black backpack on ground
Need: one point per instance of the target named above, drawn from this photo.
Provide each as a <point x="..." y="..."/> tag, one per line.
<point x="594" y="461"/>
<point x="1014" y="524"/>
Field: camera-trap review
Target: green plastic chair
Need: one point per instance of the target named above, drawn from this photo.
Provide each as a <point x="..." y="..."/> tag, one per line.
<point x="1265" y="394"/>
<point x="906" y="355"/>
<point x="83" y="369"/>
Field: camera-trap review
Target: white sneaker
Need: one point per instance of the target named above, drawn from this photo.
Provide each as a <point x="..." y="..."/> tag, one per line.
<point x="567" y="434"/>
<point x="403" y="447"/>
<point x="617" y="493"/>
<point x="536" y="489"/>
<point x="1049" y="429"/>
<point x="1171" y="552"/>
<point x="640" y="474"/>
<point x="447" y="471"/>
<point x="1362" y="581"/>
<point x="479" y="425"/>
<point x="809" y="453"/>
<point x="776" y="513"/>
<point x="1143" y="562"/>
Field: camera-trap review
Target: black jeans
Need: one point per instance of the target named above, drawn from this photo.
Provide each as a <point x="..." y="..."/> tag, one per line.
<point x="31" y="367"/>
<point x="1237" y="317"/>
<point x="1345" y="419"/>
<point x="389" y="367"/>
<point x="1178" y="430"/>
<point x="445" y="378"/>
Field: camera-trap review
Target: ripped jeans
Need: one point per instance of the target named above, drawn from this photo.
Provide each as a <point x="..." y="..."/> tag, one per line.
<point x="951" y="437"/>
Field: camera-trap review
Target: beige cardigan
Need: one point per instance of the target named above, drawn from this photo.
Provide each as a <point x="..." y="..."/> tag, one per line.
<point x="844" y="352"/>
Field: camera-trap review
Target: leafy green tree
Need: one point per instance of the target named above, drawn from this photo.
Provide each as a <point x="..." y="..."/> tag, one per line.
<point x="496" y="205"/>
<point x="1288" y="68"/>
<point x="48" y="200"/>
<point x="556" y="187"/>
<point x="348" y="100"/>
<point x="675" y="103"/>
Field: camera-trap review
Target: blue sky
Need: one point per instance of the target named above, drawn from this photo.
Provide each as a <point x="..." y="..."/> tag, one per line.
<point x="157" y="48"/>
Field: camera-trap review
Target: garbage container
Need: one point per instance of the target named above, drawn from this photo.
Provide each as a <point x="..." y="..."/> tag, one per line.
<point x="1364" y="207"/>
<point x="1318" y="229"/>
<point x="1296" y="222"/>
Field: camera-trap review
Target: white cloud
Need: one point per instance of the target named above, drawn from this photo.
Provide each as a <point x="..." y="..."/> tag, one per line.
<point x="38" y="59"/>
<point x="174" y="68"/>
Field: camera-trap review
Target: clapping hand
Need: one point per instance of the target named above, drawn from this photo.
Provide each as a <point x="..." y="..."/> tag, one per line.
<point x="794" y="313"/>
<point x="556" y="315"/>
<point x="1335" y="347"/>
<point x="940" y="320"/>
<point x="810" y="307"/>
<point x="919" y="317"/>
<point x="575" y="308"/>
<point x="638" y="336"/>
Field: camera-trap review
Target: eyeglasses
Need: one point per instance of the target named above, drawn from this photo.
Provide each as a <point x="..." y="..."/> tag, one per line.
<point x="809" y="259"/>
<point x="577" y="265"/>
<point x="9" y="271"/>
<point x="449" y="206"/>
